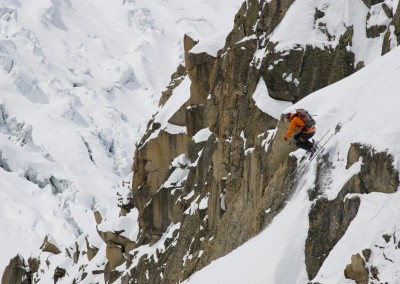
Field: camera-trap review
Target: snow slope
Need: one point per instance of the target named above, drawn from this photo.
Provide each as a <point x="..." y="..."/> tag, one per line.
<point x="365" y="105"/>
<point x="79" y="79"/>
<point x="299" y="27"/>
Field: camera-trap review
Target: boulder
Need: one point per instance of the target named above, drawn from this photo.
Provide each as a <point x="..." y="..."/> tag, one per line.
<point x="49" y="245"/>
<point x="91" y="251"/>
<point x="115" y="238"/>
<point x="357" y="270"/>
<point x="59" y="273"/>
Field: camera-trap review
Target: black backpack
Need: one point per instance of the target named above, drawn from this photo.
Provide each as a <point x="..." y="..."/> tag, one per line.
<point x="306" y="117"/>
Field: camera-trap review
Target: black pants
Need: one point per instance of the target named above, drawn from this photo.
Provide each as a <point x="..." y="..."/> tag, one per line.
<point x="302" y="140"/>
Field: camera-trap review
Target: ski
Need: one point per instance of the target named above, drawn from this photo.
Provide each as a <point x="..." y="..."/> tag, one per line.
<point x="322" y="138"/>
<point x="319" y="148"/>
<point x="307" y="162"/>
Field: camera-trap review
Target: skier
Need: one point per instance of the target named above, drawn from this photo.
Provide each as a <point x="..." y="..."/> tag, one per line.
<point x="305" y="133"/>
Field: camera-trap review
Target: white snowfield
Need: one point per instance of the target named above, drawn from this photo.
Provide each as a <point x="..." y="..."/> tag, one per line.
<point x="365" y="105"/>
<point x="79" y="80"/>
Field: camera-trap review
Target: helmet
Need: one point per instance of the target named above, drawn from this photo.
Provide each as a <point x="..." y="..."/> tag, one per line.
<point x="287" y="115"/>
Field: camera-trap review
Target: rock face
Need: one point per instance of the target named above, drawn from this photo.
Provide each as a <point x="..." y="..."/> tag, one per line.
<point x="377" y="173"/>
<point x="241" y="170"/>
<point x="15" y="272"/>
<point x="329" y="219"/>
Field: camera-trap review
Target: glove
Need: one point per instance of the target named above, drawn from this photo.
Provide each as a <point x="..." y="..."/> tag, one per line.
<point x="285" y="138"/>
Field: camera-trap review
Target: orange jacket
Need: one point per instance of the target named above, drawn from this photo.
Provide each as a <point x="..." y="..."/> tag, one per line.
<point x="297" y="122"/>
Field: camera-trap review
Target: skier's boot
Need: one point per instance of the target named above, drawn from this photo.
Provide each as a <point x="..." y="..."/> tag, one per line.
<point x="315" y="144"/>
<point x="312" y="150"/>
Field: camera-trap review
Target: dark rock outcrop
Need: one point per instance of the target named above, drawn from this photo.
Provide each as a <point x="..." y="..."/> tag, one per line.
<point x="329" y="219"/>
<point x="15" y="272"/>
<point x="91" y="250"/>
<point x="59" y="273"/>
<point x="377" y="173"/>
<point x="370" y="3"/>
<point x="48" y="246"/>
<point x="357" y="270"/>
